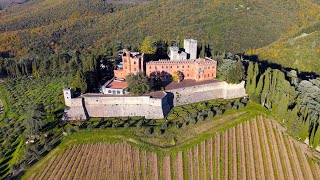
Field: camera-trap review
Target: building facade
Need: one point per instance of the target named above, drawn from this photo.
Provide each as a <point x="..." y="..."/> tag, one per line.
<point x="185" y="62"/>
<point x="132" y="62"/>
<point x="198" y="69"/>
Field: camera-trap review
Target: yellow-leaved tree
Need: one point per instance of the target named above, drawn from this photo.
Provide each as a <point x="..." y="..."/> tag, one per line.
<point x="148" y="46"/>
<point x="177" y="76"/>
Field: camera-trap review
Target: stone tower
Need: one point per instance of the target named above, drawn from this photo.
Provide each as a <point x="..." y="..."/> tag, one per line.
<point x="67" y="94"/>
<point x="190" y="47"/>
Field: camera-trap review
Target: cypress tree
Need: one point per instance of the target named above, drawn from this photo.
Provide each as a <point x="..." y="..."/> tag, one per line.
<point x="80" y="82"/>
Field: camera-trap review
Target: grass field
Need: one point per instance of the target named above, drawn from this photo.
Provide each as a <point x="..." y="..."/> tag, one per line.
<point x="257" y="149"/>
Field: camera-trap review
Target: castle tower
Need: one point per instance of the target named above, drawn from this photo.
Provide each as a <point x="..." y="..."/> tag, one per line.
<point x="67" y="94"/>
<point x="173" y="52"/>
<point x="190" y="47"/>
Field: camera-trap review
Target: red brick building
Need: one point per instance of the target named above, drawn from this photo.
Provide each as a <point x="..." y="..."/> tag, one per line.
<point x="132" y="62"/>
<point x="183" y="61"/>
<point x="198" y="69"/>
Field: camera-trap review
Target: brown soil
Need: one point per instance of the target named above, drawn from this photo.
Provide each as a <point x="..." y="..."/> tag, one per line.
<point x="217" y="147"/>
<point x="275" y="149"/>
<point x="145" y="165"/>
<point x="166" y="167"/>
<point x="190" y="164"/>
<point x="196" y="162"/>
<point x="137" y="163"/>
<point x="266" y="149"/>
<point x="242" y="153"/>
<point x="226" y="154"/>
<point x="203" y="160"/>
<point x="234" y="154"/>
<point x="179" y="166"/>
<point x="297" y="166"/>
<point x="251" y="155"/>
<point x="258" y="150"/>
<point x="286" y="157"/>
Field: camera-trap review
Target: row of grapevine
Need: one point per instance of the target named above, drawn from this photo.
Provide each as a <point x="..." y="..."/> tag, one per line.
<point x="256" y="149"/>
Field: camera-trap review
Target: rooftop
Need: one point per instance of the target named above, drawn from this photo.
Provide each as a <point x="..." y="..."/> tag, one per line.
<point x="116" y="84"/>
<point x="156" y="94"/>
<point x="188" y="83"/>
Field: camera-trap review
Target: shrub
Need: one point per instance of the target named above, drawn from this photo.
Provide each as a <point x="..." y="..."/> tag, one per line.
<point x="161" y="131"/>
<point x="173" y="141"/>
<point x="193" y="120"/>
<point x="179" y="125"/>
<point x="229" y="105"/>
<point x="115" y="125"/>
<point x="219" y="112"/>
<point x="235" y="107"/>
<point x="241" y="106"/>
<point x="165" y="125"/>
<point x="210" y="114"/>
<point x="139" y="124"/>
<point x="126" y="125"/>
<point x="90" y="127"/>
<point x="200" y="118"/>
<point x="149" y="130"/>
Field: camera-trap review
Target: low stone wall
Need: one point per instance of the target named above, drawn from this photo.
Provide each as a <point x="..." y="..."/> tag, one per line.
<point x="207" y="92"/>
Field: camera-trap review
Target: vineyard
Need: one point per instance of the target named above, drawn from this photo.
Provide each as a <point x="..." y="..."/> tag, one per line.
<point x="256" y="149"/>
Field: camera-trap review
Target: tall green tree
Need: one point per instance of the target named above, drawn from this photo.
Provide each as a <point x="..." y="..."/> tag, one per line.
<point x="79" y="82"/>
<point x="33" y="122"/>
<point x="138" y="84"/>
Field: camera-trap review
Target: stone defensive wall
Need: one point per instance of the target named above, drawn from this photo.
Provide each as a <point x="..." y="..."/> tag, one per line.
<point x="205" y="92"/>
<point x="98" y="105"/>
<point x="153" y="106"/>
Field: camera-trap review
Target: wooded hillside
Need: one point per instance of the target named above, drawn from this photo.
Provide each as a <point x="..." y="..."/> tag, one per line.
<point x="47" y="26"/>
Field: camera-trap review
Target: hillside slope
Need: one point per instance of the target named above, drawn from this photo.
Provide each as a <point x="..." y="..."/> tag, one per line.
<point x="46" y="26"/>
<point x="300" y="51"/>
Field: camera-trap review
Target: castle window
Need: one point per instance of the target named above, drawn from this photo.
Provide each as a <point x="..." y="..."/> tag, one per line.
<point x="149" y="67"/>
<point x="178" y="67"/>
<point x="188" y="66"/>
<point x="125" y="60"/>
<point x="118" y="92"/>
<point x="109" y="91"/>
<point x="170" y="67"/>
<point x="134" y="62"/>
<point x="204" y="75"/>
<point x="162" y="67"/>
<point x="67" y="93"/>
<point x="182" y="66"/>
<point x="166" y="67"/>
<point x="187" y="75"/>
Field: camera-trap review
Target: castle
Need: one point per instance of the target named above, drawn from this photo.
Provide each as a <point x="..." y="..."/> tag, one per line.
<point x="198" y="84"/>
<point x="185" y="62"/>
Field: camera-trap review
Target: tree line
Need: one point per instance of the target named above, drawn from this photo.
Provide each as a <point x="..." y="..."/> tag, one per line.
<point x="295" y="102"/>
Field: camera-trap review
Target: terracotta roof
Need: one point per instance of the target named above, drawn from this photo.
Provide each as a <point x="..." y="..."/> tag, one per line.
<point x="117" y="85"/>
<point x="187" y="83"/>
